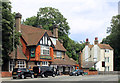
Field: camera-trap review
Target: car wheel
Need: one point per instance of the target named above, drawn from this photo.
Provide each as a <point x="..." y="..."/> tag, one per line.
<point x="42" y="75"/>
<point x="22" y="76"/>
<point x="82" y="74"/>
<point x="32" y="76"/>
<point x="76" y="74"/>
<point x="35" y="76"/>
<point x="46" y="76"/>
<point x="53" y="75"/>
<point x="14" y="77"/>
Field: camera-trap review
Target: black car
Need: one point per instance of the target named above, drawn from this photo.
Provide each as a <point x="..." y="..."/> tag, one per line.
<point x="22" y="73"/>
<point x="76" y="72"/>
<point x="43" y="71"/>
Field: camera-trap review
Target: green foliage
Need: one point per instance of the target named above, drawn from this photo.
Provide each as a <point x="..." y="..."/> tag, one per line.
<point x="49" y="16"/>
<point x="31" y="21"/>
<point x="7" y="31"/>
<point x="92" y="68"/>
<point x="114" y="39"/>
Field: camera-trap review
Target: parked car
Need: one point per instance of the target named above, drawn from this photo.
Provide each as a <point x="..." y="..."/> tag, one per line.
<point x="43" y="71"/>
<point x="22" y="73"/>
<point x="76" y="72"/>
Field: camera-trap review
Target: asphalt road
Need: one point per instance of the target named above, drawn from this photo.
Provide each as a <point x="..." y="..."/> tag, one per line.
<point x="69" y="78"/>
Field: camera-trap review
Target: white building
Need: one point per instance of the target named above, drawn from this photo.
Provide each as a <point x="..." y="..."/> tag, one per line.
<point x="94" y="55"/>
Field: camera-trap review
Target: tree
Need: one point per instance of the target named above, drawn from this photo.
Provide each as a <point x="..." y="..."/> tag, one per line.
<point x="114" y="39"/>
<point x="49" y="16"/>
<point x="7" y="32"/>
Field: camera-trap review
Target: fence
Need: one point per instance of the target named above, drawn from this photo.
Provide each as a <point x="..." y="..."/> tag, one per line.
<point x="109" y="72"/>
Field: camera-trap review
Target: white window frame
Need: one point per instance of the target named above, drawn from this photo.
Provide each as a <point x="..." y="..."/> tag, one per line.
<point x="107" y="59"/>
<point x="44" y="63"/>
<point x="21" y="64"/>
<point x="11" y="65"/>
<point x="58" y="54"/>
<point x="107" y="68"/>
<point x="45" y="48"/>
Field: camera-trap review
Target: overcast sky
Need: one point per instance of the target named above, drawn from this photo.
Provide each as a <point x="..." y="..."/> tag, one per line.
<point x="86" y="18"/>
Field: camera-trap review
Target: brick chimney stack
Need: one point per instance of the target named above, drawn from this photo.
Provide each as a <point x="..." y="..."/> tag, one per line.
<point x="55" y="30"/>
<point x="18" y="17"/>
<point x="87" y="41"/>
<point x="96" y="40"/>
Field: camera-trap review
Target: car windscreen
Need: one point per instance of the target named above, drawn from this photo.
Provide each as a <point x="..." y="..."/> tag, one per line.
<point x="75" y="70"/>
<point x="15" y="69"/>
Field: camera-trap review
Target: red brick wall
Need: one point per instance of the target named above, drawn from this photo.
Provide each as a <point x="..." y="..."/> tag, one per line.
<point x="6" y="74"/>
<point x="24" y="48"/>
<point x="37" y="53"/>
<point x="91" y="72"/>
<point x="51" y="52"/>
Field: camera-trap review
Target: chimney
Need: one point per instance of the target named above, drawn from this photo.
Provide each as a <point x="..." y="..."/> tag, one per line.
<point x="55" y="30"/>
<point x="18" y="17"/>
<point x="87" y="41"/>
<point x="96" y="40"/>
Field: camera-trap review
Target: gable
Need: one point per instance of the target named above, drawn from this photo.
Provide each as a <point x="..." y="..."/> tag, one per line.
<point x="32" y="35"/>
<point x="45" y="40"/>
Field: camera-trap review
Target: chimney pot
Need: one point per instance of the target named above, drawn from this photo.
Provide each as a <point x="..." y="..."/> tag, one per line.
<point x="87" y="40"/>
<point x="18" y="15"/>
<point x="96" y="38"/>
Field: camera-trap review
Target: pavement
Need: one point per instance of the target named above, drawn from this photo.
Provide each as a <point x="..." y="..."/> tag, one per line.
<point x="69" y="78"/>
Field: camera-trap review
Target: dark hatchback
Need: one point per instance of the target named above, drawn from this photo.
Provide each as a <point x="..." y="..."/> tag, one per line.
<point x="76" y="72"/>
<point x="22" y="73"/>
<point x="43" y="71"/>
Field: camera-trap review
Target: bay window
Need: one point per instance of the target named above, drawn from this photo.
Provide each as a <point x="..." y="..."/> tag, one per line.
<point x="45" y="50"/>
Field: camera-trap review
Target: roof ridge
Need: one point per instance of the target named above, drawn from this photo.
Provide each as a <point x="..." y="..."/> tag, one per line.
<point x="35" y="27"/>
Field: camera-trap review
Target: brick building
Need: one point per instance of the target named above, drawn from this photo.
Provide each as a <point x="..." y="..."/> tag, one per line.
<point x="39" y="47"/>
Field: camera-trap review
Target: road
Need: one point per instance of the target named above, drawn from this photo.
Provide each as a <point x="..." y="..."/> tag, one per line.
<point x="70" y="78"/>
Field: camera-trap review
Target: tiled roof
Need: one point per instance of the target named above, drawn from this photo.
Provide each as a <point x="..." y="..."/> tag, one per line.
<point x="66" y="61"/>
<point x="59" y="46"/>
<point x="89" y="64"/>
<point x="32" y="35"/>
<point x="90" y="46"/>
<point x="20" y="54"/>
<point x="105" y="46"/>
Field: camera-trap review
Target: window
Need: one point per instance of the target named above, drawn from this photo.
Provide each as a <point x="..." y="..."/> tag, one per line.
<point x="44" y="63"/>
<point x="45" y="39"/>
<point x="11" y="65"/>
<point x="106" y="59"/>
<point x="107" y="68"/>
<point x="59" y="54"/>
<point x="32" y="52"/>
<point x="106" y="50"/>
<point x="21" y="64"/>
<point x="44" y="50"/>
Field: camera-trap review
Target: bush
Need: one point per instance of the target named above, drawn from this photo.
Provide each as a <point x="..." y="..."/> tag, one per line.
<point x="92" y="69"/>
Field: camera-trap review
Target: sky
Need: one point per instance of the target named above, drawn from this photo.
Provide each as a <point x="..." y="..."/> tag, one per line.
<point x="86" y="18"/>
